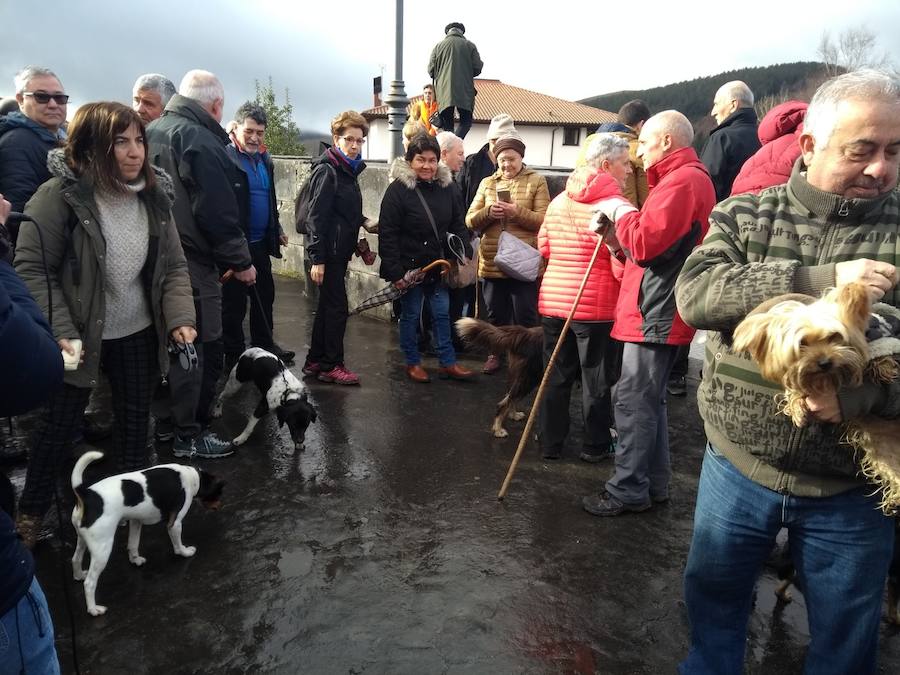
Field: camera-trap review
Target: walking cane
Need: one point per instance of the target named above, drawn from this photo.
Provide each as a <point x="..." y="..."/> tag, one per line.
<point x="550" y="363"/>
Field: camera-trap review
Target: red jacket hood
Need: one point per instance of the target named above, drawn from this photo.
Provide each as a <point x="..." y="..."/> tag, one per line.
<point x="587" y="185"/>
<point x="783" y="119"/>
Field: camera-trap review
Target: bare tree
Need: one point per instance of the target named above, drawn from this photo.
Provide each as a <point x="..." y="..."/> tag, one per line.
<point x="853" y="49"/>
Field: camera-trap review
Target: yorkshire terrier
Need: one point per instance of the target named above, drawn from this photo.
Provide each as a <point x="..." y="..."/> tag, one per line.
<point x="812" y="347"/>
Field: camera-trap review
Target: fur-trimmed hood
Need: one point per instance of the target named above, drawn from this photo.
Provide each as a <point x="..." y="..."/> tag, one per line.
<point x="884" y="331"/>
<point x="402" y="171"/>
<point x="165" y="188"/>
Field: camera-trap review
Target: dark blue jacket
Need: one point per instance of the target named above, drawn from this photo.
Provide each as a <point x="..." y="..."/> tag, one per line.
<point x="730" y="145"/>
<point x="24" y="145"/>
<point x="16" y="563"/>
<point x="274" y="231"/>
<point x="30" y="359"/>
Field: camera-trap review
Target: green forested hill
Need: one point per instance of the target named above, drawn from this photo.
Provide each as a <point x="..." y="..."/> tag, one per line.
<point x="694" y="97"/>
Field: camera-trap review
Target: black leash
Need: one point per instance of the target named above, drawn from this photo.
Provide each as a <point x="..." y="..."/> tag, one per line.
<point x="254" y="291"/>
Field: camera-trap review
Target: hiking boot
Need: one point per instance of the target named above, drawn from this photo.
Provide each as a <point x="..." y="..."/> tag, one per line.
<point x="286" y="355"/>
<point x="455" y="372"/>
<point x="677" y="386"/>
<point x="417" y="374"/>
<point x="311" y="368"/>
<point x="205" y="446"/>
<point x="492" y="365"/>
<point x="597" y="453"/>
<point x="338" y="375"/>
<point x="552" y="452"/>
<point x="607" y="505"/>
<point x="165" y="430"/>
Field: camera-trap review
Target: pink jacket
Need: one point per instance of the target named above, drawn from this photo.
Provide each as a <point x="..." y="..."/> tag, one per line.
<point x="565" y="240"/>
<point x="778" y="132"/>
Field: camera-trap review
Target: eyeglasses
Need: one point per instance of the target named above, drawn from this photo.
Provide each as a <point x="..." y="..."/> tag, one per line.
<point x="43" y="97"/>
<point x="350" y="140"/>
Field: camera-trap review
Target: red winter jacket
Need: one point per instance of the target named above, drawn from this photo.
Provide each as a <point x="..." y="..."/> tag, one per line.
<point x="778" y="132"/>
<point x="657" y="240"/>
<point x="565" y="240"/>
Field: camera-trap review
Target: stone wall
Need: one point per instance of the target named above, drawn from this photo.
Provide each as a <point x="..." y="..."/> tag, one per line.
<point x="362" y="281"/>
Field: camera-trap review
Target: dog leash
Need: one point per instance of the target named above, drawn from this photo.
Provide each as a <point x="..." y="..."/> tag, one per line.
<point x="254" y="291"/>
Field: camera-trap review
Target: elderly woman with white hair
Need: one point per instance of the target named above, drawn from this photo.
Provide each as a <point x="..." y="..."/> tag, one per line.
<point x="569" y="246"/>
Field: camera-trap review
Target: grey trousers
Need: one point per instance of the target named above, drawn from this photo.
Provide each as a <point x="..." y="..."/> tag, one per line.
<point x="642" y="452"/>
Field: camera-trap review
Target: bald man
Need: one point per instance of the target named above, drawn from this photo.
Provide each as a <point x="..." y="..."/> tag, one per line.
<point x="734" y="140"/>
<point x="653" y="243"/>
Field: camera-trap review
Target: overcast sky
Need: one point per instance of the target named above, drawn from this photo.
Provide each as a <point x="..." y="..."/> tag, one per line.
<point x="327" y="53"/>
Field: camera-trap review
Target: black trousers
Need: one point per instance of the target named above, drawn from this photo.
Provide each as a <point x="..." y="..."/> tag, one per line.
<point x="326" y="345"/>
<point x="132" y="365"/>
<point x="584" y="349"/>
<point x="680" y="368"/>
<point x="235" y="296"/>
<point x="510" y="301"/>
<point x="465" y="121"/>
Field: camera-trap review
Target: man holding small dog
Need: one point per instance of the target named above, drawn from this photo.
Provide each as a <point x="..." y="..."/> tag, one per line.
<point x="836" y="221"/>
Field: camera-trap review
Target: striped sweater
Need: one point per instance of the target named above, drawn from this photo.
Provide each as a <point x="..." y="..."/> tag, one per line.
<point x="786" y="239"/>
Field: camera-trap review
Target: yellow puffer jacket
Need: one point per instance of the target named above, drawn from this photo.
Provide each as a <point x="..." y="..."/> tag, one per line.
<point x="529" y="192"/>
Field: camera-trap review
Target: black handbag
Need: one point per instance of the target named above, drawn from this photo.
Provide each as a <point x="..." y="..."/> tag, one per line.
<point x="435" y="120"/>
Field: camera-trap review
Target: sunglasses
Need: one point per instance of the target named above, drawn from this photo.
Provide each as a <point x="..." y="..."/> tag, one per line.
<point x="43" y="97"/>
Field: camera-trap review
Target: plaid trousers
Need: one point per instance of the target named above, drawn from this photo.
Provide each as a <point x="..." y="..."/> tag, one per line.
<point x="132" y="365"/>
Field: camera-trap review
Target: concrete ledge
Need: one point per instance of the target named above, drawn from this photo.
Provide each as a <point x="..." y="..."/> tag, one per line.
<point x="362" y="281"/>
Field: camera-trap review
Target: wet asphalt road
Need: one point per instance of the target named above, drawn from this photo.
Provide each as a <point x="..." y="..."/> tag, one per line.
<point x="383" y="549"/>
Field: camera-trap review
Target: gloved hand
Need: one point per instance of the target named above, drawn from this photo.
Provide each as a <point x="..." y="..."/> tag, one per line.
<point x="612" y="208"/>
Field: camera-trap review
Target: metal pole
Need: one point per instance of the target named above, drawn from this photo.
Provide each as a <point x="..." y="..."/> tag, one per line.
<point x="396" y="97"/>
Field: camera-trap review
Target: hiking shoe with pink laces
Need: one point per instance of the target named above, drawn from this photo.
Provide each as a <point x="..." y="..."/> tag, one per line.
<point x="339" y="375"/>
<point x="311" y="368"/>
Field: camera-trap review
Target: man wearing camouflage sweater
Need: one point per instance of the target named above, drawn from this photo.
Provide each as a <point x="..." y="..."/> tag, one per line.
<point x="836" y="221"/>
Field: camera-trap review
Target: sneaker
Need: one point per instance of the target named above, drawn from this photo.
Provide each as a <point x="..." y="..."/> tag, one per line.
<point x="607" y="505"/>
<point x="165" y="430"/>
<point x="492" y="365"/>
<point x="311" y="368"/>
<point x="206" y="446"/>
<point x="677" y="386"/>
<point x="661" y="498"/>
<point x="339" y="375"/>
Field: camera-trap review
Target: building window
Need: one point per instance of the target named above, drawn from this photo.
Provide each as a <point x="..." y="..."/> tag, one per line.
<point x="571" y="135"/>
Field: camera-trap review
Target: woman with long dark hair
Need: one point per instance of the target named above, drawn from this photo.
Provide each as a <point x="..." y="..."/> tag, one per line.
<point x="104" y="261"/>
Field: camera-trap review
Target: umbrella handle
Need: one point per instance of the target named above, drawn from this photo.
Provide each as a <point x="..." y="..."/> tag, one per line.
<point x="440" y="262"/>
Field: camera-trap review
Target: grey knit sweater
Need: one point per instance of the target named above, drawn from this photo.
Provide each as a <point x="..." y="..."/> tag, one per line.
<point x="123" y="221"/>
<point x="787" y="239"/>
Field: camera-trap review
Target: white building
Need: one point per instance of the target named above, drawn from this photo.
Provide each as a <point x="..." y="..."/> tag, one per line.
<point x="551" y="128"/>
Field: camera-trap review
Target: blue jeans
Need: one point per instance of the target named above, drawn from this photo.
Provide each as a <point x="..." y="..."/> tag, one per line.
<point x="26" y="636"/>
<point x="840" y="545"/>
<point x="410" y="313"/>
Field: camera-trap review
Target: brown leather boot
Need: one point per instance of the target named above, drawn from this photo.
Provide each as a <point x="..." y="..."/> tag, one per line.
<point x="417" y="374"/>
<point x="28" y="528"/>
<point x="454" y="372"/>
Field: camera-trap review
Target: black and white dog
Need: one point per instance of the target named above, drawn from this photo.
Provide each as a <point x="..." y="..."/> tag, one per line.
<point x="281" y="391"/>
<point x="162" y="492"/>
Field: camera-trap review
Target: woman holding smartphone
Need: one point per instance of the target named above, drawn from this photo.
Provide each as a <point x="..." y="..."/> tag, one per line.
<point x="104" y="261"/>
<point x="514" y="199"/>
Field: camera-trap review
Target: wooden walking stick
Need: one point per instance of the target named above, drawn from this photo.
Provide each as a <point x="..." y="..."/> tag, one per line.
<point x="540" y="392"/>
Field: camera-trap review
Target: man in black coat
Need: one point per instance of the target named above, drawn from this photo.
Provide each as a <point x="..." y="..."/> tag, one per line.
<point x="188" y="141"/>
<point x="28" y="135"/>
<point x="734" y="140"/>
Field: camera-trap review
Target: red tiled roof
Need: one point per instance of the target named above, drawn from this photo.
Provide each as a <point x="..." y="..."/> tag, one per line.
<point x="524" y="106"/>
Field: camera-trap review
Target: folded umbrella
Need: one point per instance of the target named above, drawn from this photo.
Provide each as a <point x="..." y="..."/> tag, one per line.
<point x="390" y="292"/>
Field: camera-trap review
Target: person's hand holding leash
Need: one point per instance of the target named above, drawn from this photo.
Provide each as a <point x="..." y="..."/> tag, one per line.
<point x="184" y="334"/>
<point x="247" y="276"/>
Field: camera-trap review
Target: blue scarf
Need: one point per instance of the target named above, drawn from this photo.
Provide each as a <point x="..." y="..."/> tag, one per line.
<point x="354" y="163"/>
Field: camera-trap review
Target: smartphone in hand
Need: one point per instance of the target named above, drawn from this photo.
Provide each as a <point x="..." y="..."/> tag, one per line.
<point x="504" y="196"/>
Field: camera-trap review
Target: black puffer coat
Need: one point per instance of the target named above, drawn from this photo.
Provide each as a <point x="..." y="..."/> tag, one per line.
<point x="406" y="239"/>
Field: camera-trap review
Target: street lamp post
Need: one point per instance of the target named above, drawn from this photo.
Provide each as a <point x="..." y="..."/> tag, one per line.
<point x="396" y="97"/>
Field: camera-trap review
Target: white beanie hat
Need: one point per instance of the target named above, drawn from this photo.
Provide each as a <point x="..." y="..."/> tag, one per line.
<point x="501" y="125"/>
